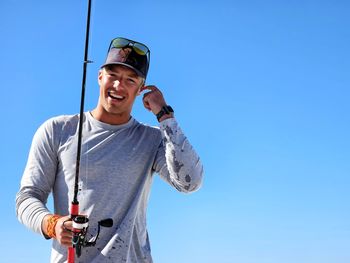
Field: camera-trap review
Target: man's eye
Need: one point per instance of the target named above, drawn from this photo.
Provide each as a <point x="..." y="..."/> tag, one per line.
<point x="131" y="80"/>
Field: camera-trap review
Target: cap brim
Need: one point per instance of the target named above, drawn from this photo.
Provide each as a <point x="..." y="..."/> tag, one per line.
<point x="139" y="73"/>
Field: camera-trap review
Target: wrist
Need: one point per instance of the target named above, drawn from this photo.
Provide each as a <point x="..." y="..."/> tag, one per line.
<point x="49" y="225"/>
<point x="166" y="112"/>
<point x="166" y="116"/>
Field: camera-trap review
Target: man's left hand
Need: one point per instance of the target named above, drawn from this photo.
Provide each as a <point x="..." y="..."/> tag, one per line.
<point x="153" y="100"/>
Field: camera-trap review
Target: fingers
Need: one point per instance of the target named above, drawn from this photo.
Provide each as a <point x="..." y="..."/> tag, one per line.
<point x="146" y="104"/>
<point x="64" y="231"/>
<point x="150" y="88"/>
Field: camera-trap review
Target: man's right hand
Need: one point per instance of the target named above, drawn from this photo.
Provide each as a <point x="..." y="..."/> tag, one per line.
<point x="63" y="227"/>
<point x="64" y="231"/>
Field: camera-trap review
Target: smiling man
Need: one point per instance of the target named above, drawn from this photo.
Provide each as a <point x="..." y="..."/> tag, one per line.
<point x="119" y="87"/>
<point x="119" y="158"/>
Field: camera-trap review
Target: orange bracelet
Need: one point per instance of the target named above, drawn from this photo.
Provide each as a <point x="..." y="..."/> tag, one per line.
<point x="51" y="224"/>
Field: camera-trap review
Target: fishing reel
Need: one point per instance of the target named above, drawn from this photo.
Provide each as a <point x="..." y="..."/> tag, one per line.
<point x="80" y="227"/>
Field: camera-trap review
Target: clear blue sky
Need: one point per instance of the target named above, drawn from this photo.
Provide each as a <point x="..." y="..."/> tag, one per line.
<point x="261" y="88"/>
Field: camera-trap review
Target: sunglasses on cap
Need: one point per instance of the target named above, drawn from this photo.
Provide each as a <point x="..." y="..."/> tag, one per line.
<point x="138" y="47"/>
<point x="129" y="53"/>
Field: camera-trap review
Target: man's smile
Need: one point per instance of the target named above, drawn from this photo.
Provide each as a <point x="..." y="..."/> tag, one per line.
<point x="115" y="96"/>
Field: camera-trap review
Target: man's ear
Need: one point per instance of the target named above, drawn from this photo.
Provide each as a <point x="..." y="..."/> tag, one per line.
<point x="139" y="90"/>
<point x="141" y="86"/>
<point x="99" y="78"/>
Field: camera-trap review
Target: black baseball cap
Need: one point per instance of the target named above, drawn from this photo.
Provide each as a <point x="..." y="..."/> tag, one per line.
<point x="132" y="54"/>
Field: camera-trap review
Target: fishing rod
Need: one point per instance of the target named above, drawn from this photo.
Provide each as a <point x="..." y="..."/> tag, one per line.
<point x="81" y="222"/>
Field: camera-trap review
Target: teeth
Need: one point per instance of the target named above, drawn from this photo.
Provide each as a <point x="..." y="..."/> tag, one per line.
<point x="115" y="96"/>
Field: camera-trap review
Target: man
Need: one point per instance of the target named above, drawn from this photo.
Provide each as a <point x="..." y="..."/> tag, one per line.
<point x="118" y="159"/>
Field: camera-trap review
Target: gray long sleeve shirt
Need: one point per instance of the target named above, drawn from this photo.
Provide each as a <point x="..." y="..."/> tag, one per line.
<point x="117" y="167"/>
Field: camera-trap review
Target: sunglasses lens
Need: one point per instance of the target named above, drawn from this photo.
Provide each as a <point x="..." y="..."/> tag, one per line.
<point x="140" y="49"/>
<point x="120" y="42"/>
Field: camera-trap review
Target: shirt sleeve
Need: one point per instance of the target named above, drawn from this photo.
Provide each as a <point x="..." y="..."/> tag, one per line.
<point x="37" y="180"/>
<point x="180" y="164"/>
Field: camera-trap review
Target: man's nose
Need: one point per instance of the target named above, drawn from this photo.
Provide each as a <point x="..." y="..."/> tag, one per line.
<point x="116" y="84"/>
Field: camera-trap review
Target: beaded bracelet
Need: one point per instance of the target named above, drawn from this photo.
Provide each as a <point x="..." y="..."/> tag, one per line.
<point x="51" y="224"/>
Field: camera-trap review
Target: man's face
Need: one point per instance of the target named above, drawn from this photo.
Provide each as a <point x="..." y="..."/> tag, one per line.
<point x="119" y="86"/>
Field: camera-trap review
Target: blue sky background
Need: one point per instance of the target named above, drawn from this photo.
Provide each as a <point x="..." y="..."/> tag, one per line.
<point x="261" y="88"/>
